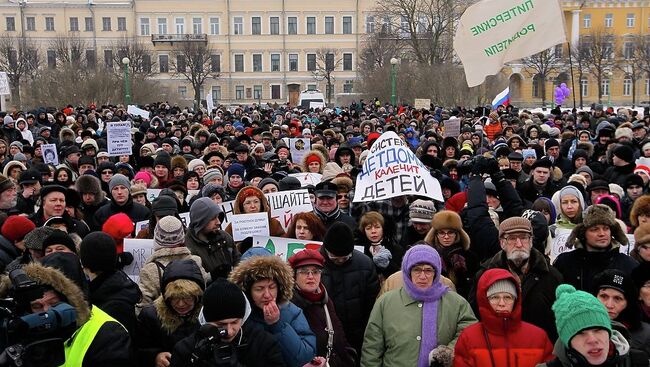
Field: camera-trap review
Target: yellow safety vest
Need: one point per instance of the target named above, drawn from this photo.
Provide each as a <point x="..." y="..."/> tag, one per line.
<point x="78" y="344"/>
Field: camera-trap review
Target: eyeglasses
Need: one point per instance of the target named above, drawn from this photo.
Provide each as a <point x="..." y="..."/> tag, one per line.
<point x="496" y="299"/>
<point x="107" y="172"/>
<point x="426" y="270"/>
<point x="312" y="272"/>
<point x="341" y="196"/>
<point x="512" y="240"/>
<point x="445" y="233"/>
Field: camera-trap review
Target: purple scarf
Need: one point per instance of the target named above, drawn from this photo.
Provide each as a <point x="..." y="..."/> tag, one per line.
<point x="417" y="255"/>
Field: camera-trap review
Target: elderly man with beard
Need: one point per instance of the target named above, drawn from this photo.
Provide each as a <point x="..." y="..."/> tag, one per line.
<point x="537" y="278"/>
<point x="8" y="195"/>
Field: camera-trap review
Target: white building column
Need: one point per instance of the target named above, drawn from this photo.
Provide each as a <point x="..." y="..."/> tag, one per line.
<point x="575" y="28"/>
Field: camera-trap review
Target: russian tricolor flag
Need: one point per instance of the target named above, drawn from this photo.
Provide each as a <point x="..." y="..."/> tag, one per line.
<point x="502" y="98"/>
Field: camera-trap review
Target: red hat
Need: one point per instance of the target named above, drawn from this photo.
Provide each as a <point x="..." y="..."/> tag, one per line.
<point x="119" y="226"/>
<point x="372" y="137"/>
<point x="16" y="227"/>
<point x="306" y="257"/>
<point x="313" y="158"/>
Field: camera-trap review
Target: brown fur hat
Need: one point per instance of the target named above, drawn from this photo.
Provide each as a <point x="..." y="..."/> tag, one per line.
<point x="447" y="219"/>
<point x="179" y="161"/>
<point x="641" y="237"/>
<point x="344" y="183"/>
<point x="259" y="268"/>
<point x="595" y="215"/>
<point x="641" y="206"/>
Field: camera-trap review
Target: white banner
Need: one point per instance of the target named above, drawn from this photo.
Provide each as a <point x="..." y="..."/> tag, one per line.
<point x="299" y="147"/>
<point x="135" y="111"/>
<point x="561" y="235"/>
<point x="50" y="155"/>
<point x="4" y="84"/>
<point x="307" y="178"/>
<point x="210" y="103"/>
<point x="248" y="225"/>
<point x="141" y="249"/>
<point x="119" y="138"/>
<point x="422" y="103"/>
<point x="494" y="32"/>
<point x="392" y="169"/>
<point x="287" y="247"/>
<point x="285" y="204"/>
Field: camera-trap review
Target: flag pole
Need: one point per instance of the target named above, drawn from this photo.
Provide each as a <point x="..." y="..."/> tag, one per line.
<point x="573" y="81"/>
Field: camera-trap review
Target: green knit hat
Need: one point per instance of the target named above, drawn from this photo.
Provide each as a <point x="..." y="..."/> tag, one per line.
<point x="576" y="311"/>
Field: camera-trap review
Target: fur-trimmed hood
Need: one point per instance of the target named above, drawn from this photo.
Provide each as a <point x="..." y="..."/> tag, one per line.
<point x="264" y="267"/>
<point x="90" y="184"/>
<point x="447" y="219"/>
<point x="12" y="164"/>
<point x="321" y="158"/>
<point x="595" y="215"/>
<point x="67" y="134"/>
<point x="169" y="319"/>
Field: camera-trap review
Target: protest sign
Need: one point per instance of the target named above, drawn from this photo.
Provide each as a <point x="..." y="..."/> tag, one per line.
<point x="299" y="147"/>
<point x="209" y="103"/>
<point x="119" y="138"/>
<point x="285" y="204"/>
<point x="152" y="194"/>
<point x="452" y="128"/>
<point x="4" y="84"/>
<point x="135" y="111"/>
<point x="228" y="211"/>
<point x="392" y="169"/>
<point x="422" y="103"/>
<point x="307" y="178"/>
<point x="493" y="32"/>
<point x="561" y="235"/>
<point x="248" y="225"/>
<point x="185" y="218"/>
<point x="286" y="247"/>
<point x="50" y="155"/>
<point x="141" y="249"/>
<point x="315" y="105"/>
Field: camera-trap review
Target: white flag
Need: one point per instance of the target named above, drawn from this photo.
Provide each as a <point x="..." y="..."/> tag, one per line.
<point x="494" y="32"/>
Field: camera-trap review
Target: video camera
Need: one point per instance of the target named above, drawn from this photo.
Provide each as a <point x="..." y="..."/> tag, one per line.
<point x="211" y="350"/>
<point x="32" y="339"/>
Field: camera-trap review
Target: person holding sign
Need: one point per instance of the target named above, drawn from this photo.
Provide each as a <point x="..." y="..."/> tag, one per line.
<point x="249" y="200"/>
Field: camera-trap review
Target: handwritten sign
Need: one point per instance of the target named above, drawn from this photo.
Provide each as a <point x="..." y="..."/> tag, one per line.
<point x="422" y="103"/>
<point x="141" y="249"/>
<point x="119" y="138"/>
<point x="4" y="84"/>
<point x="452" y="127"/>
<point x="135" y="111"/>
<point x="248" y="225"/>
<point x="392" y="169"/>
<point x="285" y="204"/>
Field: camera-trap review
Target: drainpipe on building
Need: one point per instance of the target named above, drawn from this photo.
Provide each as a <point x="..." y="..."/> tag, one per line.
<point x="230" y="66"/>
<point x="285" y="88"/>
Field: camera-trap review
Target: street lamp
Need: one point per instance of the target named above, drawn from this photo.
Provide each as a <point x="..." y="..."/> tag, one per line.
<point x="609" y="88"/>
<point x="127" y="87"/>
<point x="393" y="65"/>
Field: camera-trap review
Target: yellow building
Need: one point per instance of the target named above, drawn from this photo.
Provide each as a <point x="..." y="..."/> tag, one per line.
<point x="262" y="50"/>
<point x="624" y="20"/>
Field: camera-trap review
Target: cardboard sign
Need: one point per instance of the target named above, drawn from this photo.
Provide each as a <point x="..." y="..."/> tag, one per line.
<point x="248" y="225"/>
<point x="307" y="178"/>
<point x="141" y="249"/>
<point x="561" y="235"/>
<point x="422" y="103"/>
<point x="119" y="138"/>
<point x="287" y="247"/>
<point x="135" y="111"/>
<point x="452" y="127"/>
<point x="285" y="204"/>
<point x="392" y="169"/>
<point x="50" y="155"/>
<point x="299" y="147"/>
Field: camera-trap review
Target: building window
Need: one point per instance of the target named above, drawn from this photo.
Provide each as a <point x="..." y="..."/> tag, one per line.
<point x="180" y="25"/>
<point x="311" y="62"/>
<point x="74" y="24"/>
<point x="90" y="24"/>
<point x="609" y="50"/>
<point x="370" y="24"/>
<point x="347" y="25"/>
<point x="628" y="50"/>
<point x="49" y="24"/>
<point x="30" y="23"/>
<point x="91" y="59"/>
<point x="275" y="62"/>
<point x="257" y="62"/>
<point x="348" y="86"/>
<point x="347" y="62"/>
<point x="197" y="25"/>
<point x="144" y="27"/>
<point x="275" y="92"/>
<point x="559" y="49"/>
<point x="162" y="25"/>
<point x="239" y="25"/>
<point x="609" y="20"/>
<point x="586" y="21"/>
<point x="108" y="58"/>
<point x="215" y="63"/>
<point x="329" y="25"/>
<point x="329" y="61"/>
<point x="182" y="90"/>
<point x="292" y="25"/>
<point x="257" y="92"/>
<point x="146" y="63"/>
<point x="163" y="63"/>
<point x="386" y="27"/>
<point x="256" y="25"/>
<point x="51" y="59"/>
<point x="405" y="29"/>
<point x="627" y="86"/>
<point x="106" y="24"/>
<point x="311" y="25"/>
<point x="647" y="87"/>
<point x="423" y="25"/>
<point x="631" y="20"/>
<point x="239" y="92"/>
<point x="293" y="62"/>
<point x="584" y="87"/>
<point x="239" y="63"/>
<point x="216" y="93"/>
<point x="181" y="64"/>
<point x="605" y="86"/>
<point x="275" y="25"/>
<point x="11" y="24"/>
<point x="537" y="86"/>
<point x="214" y="26"/>
<point x="121" y="24"/>
<point x="311" y="87"/>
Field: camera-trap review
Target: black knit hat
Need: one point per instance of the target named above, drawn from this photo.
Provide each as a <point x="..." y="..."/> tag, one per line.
<point x="98" y="252"/>
<point x="163" y="159"/>
<point x="59" y="238"/>
<point x="223" y="300"/>
<point x="624" y="152"/>
<point x="339" y="239"/>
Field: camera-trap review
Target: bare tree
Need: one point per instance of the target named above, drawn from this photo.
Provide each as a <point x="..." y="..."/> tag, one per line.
<point x="597" y="53"/>
<point x="193" y="61"/>
<point x="543" y="64"/>
<point x="141" y="60"/>
<point x="327" y="61"/>
<point x="378" y="49"/>
<point x="70" y="50"/>
<point x="633" y="61"/>
<point x="19" y="58"/>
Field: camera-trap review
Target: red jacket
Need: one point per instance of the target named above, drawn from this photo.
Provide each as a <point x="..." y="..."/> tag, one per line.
<point x="514" y="343"/>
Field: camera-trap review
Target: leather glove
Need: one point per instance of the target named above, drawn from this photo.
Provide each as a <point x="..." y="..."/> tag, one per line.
<point x="382" y="258"/>
<point x="441" y="356"/>
<point x="124" y="259"/>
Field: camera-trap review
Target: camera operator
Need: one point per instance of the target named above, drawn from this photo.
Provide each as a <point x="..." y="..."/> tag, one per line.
<point x="225" y="340"/>
<point x="96" y="339"/>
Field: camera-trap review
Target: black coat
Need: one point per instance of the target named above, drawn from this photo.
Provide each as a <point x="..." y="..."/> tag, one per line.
<point x="89" y="215"/>
<point x="111" y="347"/>
<point x="529" y="193"/>
<point x="116" y="294"/>
<point x="25" y="206"/>
<point x="483" y="234"/>
<point x="397" y="253"/>
<point x="353" y="287"/>
<point x="579" y="266"/>
<point x="135" y="211"/>
<point x="257" y="348"/>
<point x="619" y="174"/>
<point x="538" y="289"/>
<point x="8" y="252"/>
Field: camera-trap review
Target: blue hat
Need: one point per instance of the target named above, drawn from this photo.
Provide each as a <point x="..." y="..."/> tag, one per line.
<point x="236" y="169"/>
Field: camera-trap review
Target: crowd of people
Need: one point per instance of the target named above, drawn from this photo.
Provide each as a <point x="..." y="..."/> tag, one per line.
<point x="538" y="255"/>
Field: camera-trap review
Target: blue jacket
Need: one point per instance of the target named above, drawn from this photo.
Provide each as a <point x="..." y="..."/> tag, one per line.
<point x="297" y="341"/>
